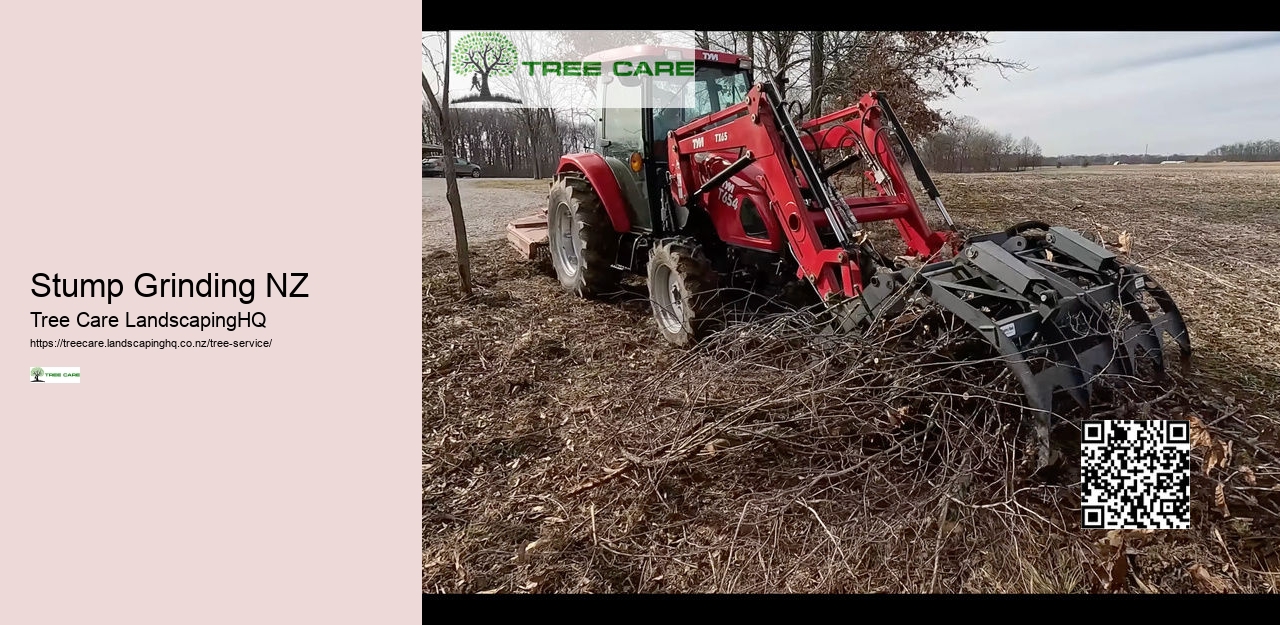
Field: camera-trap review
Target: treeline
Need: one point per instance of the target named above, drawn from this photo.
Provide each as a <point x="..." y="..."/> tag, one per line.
<point x="1085" y="160"/>
<point x="965" y="145"/>
<point x="514" y="142"/>
<point x="1268" y="150"/>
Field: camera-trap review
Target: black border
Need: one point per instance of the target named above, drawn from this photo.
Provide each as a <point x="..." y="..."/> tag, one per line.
<point x="723" y="16"/>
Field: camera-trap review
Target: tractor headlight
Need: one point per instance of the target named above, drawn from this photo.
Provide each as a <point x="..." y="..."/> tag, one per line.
<point x="637" y="161"/>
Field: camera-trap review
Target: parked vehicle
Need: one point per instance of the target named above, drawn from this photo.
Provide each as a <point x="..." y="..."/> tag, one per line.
<point x="434" y="166"/>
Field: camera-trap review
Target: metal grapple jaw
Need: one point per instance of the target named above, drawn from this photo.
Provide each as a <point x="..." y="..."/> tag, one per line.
<point x="1060" y="310"/>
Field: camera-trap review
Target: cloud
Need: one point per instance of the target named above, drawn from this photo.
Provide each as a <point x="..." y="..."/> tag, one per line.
<point x="1119" y="92"/>
<point x="1193" y="50"/>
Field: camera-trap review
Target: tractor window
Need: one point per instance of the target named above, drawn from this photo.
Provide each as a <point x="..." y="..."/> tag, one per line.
<point x="714" y="89"/>
<point x="622" y="127"/>
<point x="717" y="88"/>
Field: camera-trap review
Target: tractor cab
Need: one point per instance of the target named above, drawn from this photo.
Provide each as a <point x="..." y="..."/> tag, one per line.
<point x="635" y="115"/>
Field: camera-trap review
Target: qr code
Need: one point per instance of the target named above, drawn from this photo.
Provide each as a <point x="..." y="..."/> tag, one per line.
<point x="1135" y="475"/>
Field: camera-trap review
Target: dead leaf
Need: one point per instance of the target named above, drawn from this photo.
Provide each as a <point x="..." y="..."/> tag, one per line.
<point x="1199" y="433"/>
<point x="1126" y="242"/>
<point x="896" y="417"/>
<point x="1219" y="455"/>
<point x="1205" y="580"/>
<point x="1048" y="255"/>
<point x="1249" y="477"/>
<point x="1220" y="500"/>
<point x="522" y="553"/>
<point x="1211" y="459"/>
<point x="491" y="591"/>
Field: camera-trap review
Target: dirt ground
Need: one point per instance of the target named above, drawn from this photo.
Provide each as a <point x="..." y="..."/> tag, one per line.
<point x="488" y="203"/>
<point x="567" y="449"/>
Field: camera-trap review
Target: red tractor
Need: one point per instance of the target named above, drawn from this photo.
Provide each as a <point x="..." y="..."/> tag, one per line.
<point x="692" y="196"/>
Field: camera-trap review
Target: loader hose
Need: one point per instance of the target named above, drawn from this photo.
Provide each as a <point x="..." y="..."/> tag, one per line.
<point x="817" y="147"/>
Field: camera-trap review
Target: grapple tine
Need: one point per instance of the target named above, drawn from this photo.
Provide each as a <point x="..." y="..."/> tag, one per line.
<point x="1170" y="322"/>
<point x="1059" y="309"/>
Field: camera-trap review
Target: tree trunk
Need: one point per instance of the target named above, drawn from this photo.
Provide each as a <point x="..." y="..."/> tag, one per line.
<point x="817" y="64"/>
<point x="533" y="125"/>
<point x="781" y="44"/>
<point x="751" y="45"/>
<point x="441" y="108"/>
<point x="484" y="85"/>
<point x="537" y="167"/>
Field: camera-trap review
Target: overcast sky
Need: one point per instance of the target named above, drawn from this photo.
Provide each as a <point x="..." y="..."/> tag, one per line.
<point x="1091" y="93"/>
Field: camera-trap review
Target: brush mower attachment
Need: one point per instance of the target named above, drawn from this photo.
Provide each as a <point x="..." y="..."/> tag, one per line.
<point x="528" y="235"/>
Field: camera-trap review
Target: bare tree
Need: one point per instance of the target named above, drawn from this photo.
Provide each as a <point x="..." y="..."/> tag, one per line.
<point x="1028" y="153"/>
<point x="441" y="108"/>
<point x="914" y="69"/>
<point x="817" y="67"/>
<point x="963" y="145"/>
<point x="539" y="123"/>
<point x="1267" y="150"/>
<point x="781" y="55"/>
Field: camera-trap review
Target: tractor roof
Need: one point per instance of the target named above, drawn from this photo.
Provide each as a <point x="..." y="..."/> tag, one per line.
<point x="648" y="51"/>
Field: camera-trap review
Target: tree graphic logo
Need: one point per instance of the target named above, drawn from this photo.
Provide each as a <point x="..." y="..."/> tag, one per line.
<point x="36" y="372"/>
<point x="480" y="55"/>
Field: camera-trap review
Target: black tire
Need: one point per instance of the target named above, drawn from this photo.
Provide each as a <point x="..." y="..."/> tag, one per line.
<point x="683" y="290"/>
<point x="580" y="238"/>
<point x="475" y="173"/>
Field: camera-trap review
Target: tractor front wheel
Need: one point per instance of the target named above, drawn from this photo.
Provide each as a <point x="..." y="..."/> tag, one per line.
<point x="683" y="290"/>
<point x="582" y="241"/>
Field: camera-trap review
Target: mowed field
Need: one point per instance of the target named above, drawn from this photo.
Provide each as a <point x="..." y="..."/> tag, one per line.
<point x="567" y="449"/>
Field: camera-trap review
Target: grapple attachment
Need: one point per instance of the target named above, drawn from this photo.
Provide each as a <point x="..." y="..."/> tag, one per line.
<point x="1059" y="309"/>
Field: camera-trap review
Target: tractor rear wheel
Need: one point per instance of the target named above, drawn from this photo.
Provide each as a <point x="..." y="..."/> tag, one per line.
<point x="683" y="290"/>
<point x="582" y="241"/>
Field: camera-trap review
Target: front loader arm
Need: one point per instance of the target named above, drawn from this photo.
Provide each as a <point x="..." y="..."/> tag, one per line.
<point x="865" y="126"/>
<point x="755" y="129"/>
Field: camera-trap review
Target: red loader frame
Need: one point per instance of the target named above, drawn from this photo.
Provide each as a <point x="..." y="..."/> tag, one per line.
<point x="766" y="136"/>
